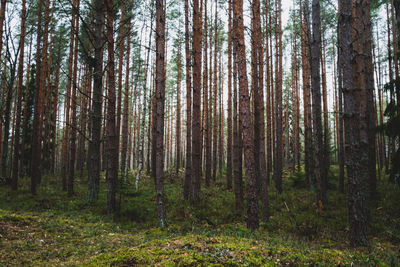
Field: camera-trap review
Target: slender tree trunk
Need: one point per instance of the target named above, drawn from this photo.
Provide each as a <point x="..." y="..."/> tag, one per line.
<point x="70" y="184"/>
<point x="316" y="100"/>
<point x="206" y="101"/>
<point x="278" y="102"/>
<point x="7" y="118"/>
<point x="68" y="102"/>
<point x="251" y="186"/>
<point x="229" y="122"/>
<point x="55" y="108"/>
<point x="326" y="136"/>
<point x="178" y="107"/>
<point x="37" y="119"/>
<point x="94" y="163"/>
<point x="215" y="127"/>
<point x="258" y="106"/>
<point x="14" y="182"/>
<point x="237" y="148"/>
<point x="125" y="115"/>
<point x="26" y="117"/>
<point x="158" y="134"/>
<point x="121" y="51"/>
<point x="188" y="175"/>
<point x="112" y="134"/>
<point x="341" y="149"/>
<point x="196" y="159"/>
<point x="141" y="130"/>
<point x="269" y="82"/>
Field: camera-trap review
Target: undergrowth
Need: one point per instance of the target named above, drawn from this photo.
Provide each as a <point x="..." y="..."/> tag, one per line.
<point x="53" y="229"/>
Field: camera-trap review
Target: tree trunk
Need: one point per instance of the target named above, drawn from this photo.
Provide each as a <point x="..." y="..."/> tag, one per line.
<point x="357" y="171"/>
<point x="94" y="164"/>
<point x="39" y="93"/>
<point x="196" y="159"/>
<point x="316" y="100"/>
<point x="188" y="175"/>
<point x="14" y="181"/>
<point x="121" y="51"/>
<point x="278" y="102"/>
<point x="251" y="186"/>
<point x="178" y="108"/>
<point x="70" y="185"/>
<point x="215" y="127"/>
<point x="158" y="134"/>
<point x="125" y="115"/>
<point x="112" y="134"/>
<point x="258" y="106"/>
<point x="229" y="122"/>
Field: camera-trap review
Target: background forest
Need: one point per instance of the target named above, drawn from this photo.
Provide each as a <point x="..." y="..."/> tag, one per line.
<point x="199" y="132"/>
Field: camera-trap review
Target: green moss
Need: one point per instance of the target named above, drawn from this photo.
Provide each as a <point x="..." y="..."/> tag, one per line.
<point x="53" y="229"/>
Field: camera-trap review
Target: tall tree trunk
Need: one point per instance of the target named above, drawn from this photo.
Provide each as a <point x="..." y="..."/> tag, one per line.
<point x="70" y="186"/>
<point x="206" y="100"/>
<point x="188" y="175"/>
<point x="341" y="148"/>
<point x="14" y="183"/>
<point x="251" y="185"/>
<point x="142" y="129"/>
<point x="112" y="135"/>
<point x="94" y="164"/>
<point x="125" y="115"/>
<point x="39" y="93"/>
<point x="178" y="107"/>
<point x="316" y="100"/>
<point x="258" y="106"/>
<point x="229" y="122"/>
<point x="326" y="136"/>
<point x="278" y="102"/>
<point x="7" y="120"/>
<point x="158" y="134"/>
<point x="196" y="159"/>
<point x="121" y="51"/>
<point x="357" y="170"/>
<point x="55" y="108"/>
<point x="215" y="127"/>
<point x="68" y="102"/>
<point x="268" y="73"/>
<point x="237" y="136"/>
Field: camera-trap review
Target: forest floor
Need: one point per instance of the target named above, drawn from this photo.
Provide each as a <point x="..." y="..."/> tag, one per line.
<point x="53" y="229"/>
